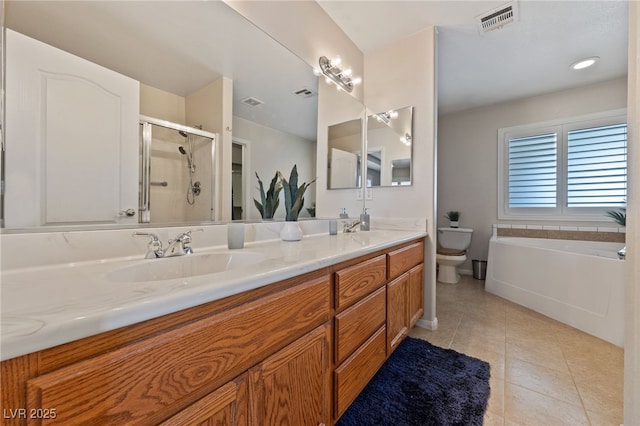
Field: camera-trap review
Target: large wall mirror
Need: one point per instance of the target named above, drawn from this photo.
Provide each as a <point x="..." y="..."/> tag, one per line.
<point x="389" y="147"/>
<point x="203" y="69"/>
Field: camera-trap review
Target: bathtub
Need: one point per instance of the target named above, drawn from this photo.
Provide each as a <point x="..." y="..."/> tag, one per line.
<point x="580" y="283"/>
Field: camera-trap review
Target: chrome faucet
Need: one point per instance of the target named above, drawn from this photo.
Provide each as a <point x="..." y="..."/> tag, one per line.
<point x="347" y="228"/>
<point x="622" y="253"/>
<point x="178" y="246"/>
<point x="154" y="248"/>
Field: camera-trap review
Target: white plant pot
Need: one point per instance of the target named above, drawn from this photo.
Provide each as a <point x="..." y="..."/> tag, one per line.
<point x="453" y="223"/>
<point x="291" y="232"/>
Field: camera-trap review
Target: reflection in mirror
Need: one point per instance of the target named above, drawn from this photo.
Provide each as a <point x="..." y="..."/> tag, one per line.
<point x="177" y="165"/>
<point x="189" y="63"/>
<point x="345" y="153"/>
<point x="389" y="142"/>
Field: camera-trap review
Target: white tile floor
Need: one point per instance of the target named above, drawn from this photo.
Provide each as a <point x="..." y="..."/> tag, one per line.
<point x="542" y="371"/>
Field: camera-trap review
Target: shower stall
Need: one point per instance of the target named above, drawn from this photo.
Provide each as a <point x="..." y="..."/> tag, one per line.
<point x="177" y="172"/>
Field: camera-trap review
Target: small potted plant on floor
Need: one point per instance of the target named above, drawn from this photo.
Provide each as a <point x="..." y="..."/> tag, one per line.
<point x="453" y="217"/>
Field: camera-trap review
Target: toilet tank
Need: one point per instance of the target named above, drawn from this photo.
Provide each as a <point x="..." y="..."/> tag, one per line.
<point x="454" y="238"/>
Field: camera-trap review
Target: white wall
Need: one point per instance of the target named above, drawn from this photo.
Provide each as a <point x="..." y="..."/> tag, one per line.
<point x="632" y="314"/>
<point x="468" y="152"/>
<point x="410" y="81"/>
<point x="271" y="150"/>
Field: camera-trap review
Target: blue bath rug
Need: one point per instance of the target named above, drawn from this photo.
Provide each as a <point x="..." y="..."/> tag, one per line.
<point x="422" y="385"/>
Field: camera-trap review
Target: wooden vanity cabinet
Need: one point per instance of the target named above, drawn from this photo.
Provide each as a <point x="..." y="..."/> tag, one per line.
<point x="404" y="292"/>
<point x="295" y="352"/>
<point x="377" y="301"/>
<point x="203" y="369"/>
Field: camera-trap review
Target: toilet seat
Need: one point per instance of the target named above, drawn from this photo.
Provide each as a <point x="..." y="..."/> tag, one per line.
<point x="450" y="252"/>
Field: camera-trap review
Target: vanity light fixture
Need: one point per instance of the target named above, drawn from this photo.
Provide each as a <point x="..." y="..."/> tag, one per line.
<point x="406" y="139"/>
<point x="341" y="77"/>
<point x="386" y="117"/>
<point x="584" y="63"/>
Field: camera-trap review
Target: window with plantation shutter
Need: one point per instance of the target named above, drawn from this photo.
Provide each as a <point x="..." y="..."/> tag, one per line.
<point x="533" y="171"/>
<point x="574" y="169"/>
<point x="597" y="166"/>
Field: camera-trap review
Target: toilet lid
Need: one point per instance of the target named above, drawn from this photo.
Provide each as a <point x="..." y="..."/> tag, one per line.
<point x="450" y="252"/>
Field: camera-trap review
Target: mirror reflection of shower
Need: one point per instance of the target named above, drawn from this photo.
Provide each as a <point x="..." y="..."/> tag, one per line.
<point x="177" y="178"/>
<point x="193" y="189"/>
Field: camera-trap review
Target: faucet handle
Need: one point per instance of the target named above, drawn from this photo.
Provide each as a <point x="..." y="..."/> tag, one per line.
<point x="185" y="239"/>
<point x="154" y="248"/>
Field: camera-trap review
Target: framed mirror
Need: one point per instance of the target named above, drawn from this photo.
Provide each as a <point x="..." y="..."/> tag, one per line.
<point x="179" y="52"/>
<point x="389" y="148"/>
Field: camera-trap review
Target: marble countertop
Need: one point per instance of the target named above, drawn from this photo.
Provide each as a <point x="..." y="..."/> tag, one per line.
<point x="47" y="306"/>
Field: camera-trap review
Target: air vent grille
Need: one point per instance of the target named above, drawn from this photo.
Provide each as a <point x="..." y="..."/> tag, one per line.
<point x="304" y="92"/>
<point x="252" y="102"/>
<point x="497" y="18"/>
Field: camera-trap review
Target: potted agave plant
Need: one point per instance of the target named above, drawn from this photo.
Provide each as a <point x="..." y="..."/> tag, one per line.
<point x="270" y="200"/>
<point x="293" y="203"/>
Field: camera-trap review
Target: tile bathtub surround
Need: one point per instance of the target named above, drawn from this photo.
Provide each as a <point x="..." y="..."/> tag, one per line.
<point x="543" y="372"/>
<point x="560" y="234"/>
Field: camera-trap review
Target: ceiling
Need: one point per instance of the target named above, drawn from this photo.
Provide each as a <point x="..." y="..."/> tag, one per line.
<point x="527" y="57"/>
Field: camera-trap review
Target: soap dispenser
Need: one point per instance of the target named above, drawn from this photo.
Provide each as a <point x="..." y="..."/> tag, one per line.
<point x="344" y="214"/>
<point x="364" y="220"/>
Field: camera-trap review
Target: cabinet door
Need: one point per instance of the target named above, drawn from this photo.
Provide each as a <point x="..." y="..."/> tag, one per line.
<point x="226" y="406"/>
<point x="397" y="312"/>
<point x="292" y="386"/>
<point x="416" y="295"/>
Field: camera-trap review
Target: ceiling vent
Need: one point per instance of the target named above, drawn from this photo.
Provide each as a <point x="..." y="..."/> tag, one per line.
<point x="497" y="18"/>
<point x="252" y="102"/>
<point x="304" y="92"/>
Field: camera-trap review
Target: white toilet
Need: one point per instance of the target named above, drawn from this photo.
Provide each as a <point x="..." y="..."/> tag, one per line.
<point x="452" y="247"/>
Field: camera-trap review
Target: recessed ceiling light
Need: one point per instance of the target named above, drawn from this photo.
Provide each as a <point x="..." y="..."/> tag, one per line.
<point x="584" y="63"/>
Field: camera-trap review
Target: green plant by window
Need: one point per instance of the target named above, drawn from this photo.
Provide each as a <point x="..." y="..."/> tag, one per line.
<point x="620" y="216"/>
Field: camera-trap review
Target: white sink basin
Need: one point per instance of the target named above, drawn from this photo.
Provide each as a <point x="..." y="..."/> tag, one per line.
<point x="192" y="265"/>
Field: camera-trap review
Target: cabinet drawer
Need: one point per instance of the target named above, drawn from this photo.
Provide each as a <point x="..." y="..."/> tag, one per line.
<point x="354" y="374"/>
<point x="401" y="260"/>
<point x="356" y="281"/>
<point x="355" y="324"/>
<point x="149" y="380"/>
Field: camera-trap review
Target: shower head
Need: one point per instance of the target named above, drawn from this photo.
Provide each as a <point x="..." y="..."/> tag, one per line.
<point x="192" y="167"/>
<point x="183" y="134"/>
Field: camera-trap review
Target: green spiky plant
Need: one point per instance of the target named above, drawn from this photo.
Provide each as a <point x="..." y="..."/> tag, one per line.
<point x="453" y="215"/>
<point x="293" y="194"/>
<point x="620" y="216"/>
<point x="270" y="200"/>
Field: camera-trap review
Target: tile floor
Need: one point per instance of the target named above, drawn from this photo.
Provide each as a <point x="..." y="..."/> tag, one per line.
<point x="542" y="371"/>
